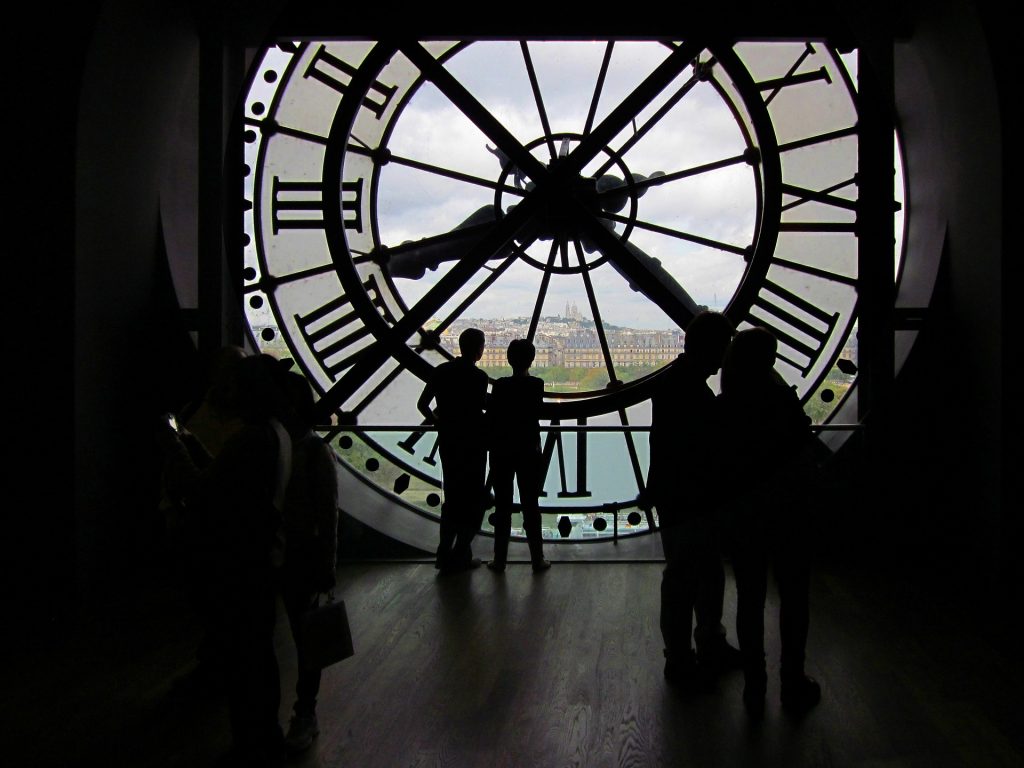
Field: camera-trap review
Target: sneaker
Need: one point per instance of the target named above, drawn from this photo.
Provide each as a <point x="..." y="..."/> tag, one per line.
<point x="800" y="694"/>
<point x="540" y="565"/>
<point x="301" y="732"/>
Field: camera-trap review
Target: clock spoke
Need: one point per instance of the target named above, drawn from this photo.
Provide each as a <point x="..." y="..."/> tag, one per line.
<point x="627" y="110"/>
<point x="455" y="175"/>
<point x="599" y="86"/>
<point x="545" y="280"/>
<point x="595" y="312"/>
<point x="477" y="292"/>
<point x="535" y="85"/>
<point x="634" y="462"/>
<point x="644" y="129"/>
<point x="655" y="181"/>
<point x="676" y="233"/>
<point x="489" y="125"/>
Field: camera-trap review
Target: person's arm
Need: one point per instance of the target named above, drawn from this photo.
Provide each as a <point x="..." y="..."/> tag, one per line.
<point x="325" y="500"/>
<point x="423" y="404"/>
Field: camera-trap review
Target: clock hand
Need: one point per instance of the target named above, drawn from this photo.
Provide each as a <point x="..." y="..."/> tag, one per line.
<point x="390" y="338"/>
<point x="643" y="272"/>
<point x="613" y="192"/>
<point x="412" y="258"/>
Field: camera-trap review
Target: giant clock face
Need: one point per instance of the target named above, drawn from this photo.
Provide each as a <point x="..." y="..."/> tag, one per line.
<point x="590" y="196"/>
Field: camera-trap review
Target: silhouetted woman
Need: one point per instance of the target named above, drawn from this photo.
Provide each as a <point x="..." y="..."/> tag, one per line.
<point x="238" y="495"/>
<point x="773" y="448"/>
<point x="311" y="545"/>
<point x="513" y="411"/>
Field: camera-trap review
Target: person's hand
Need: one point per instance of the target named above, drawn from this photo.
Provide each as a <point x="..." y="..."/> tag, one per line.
<point x="167" y="431"/>
<point x="644" y="500"/>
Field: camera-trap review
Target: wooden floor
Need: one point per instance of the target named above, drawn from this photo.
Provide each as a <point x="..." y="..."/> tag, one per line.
<point x="558" y="669"/>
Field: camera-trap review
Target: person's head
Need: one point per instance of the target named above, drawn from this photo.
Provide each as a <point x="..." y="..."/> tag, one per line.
<point x="520" y="355"/>
<point x="471" y="344"/>
<point x="707" y="338"/>
<point x="221" y="375"/>
<point x="750" y="359"/>
<point x="261" y="388"/>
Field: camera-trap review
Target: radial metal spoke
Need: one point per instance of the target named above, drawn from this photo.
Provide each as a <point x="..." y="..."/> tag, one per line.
<point x="717" y="244"/>
<point x="599" y="87"/>
<point x="675" y="176"/>
<point x="489" y="125"/>
<point x="647" y="126"/>
<point x="634" y="461"/>
<point x="630" y="107"/>
<point x="486" y="283"/>
<point x="542" y="292"/>
<point x="595" y="310"/>
<point x="456" y="175"/>
<point x="538" y="98"/>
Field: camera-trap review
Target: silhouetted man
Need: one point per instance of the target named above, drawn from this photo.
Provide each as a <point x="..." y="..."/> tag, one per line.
<point x="774" y="454"/>
<point x="514" y="434"/>
<point x="460" y="389"/>
<point x="683" y="485"/>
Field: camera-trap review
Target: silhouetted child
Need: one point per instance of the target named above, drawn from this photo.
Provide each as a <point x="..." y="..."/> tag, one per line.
<point x="311" y="544"/>
<point x="514" y="435"/>
<point x="460" y="389"/>
<point x="772" y="449"/>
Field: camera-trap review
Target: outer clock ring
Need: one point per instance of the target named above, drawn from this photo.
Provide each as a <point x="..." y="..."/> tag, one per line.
<point x="585" y="404"/>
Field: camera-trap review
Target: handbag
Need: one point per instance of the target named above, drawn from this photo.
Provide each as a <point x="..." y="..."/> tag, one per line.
<point x="326" y="637"/>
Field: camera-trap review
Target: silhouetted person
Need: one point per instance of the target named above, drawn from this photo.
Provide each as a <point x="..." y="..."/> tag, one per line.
<point x="212" y="420"/>
<point x="460" y="389"/>
<point x="772" y="450"/>
<point x="311" y="545"/>
<point x="683" y="484"/>
<point x="238" y="496"/>
<point x="513" y="411"/>
<point x="209" y="420"/>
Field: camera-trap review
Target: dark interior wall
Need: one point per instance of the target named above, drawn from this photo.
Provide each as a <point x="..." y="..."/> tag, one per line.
<point x="940" y="434"/>
<point x="132" y="359"/>
<point x="937" y="469"/>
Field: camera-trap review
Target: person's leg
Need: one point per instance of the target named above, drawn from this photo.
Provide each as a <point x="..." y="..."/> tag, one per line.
<point x="709" y="634"/>
<point x="470" y="494"/>
<point x="298" y="601"/>
<point x="528" y="480"/>
<point x="792" y="574"/>
<point x="254" y="681"/>
<point x="501" y="482"/>
<point x="448" y="528"/>
<point x="678" y="592"/>
<point x="750" y="568"/>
